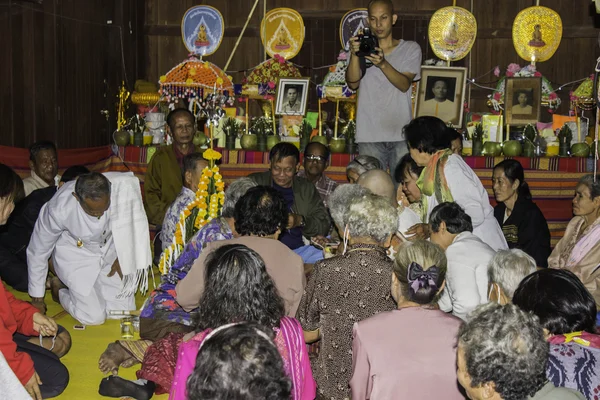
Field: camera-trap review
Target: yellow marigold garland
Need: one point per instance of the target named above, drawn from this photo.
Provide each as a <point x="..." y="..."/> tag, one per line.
<point x="206" y="206"/>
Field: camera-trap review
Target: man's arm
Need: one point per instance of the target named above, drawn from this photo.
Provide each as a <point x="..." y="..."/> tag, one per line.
<point x="155" y="206"/>
<point x="317" y="218"/>
<point x="46" y="233"/>
<point x="190" y="289"/>
<point x="353" y="73"/>
<point x="401" y="80"/>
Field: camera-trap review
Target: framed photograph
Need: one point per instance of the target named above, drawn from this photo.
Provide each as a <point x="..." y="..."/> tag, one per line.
<point x="441" y="93"/>
<point x="292" y="96"/>
<point x="523" y="100"/>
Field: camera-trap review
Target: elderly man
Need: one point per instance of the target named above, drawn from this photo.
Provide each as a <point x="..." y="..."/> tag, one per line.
<point x="193" y="164"/>
<point x="307" y="214"/>
<point x="316" y="161"/>
<point x="260" y="216"/>
<point x="163" y="181"/>
<point x="43" y="162"/>
<point x="15" y="238"/>
<point x="505" y="271"/>
<point x="380" y="183"/>
<point x="94" y="230"/>
<point x="502" y="354"/>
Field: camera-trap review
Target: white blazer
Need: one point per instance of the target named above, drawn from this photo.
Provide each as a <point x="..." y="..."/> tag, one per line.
<point x="467" y="276"/>
<point x="469" y="193"/>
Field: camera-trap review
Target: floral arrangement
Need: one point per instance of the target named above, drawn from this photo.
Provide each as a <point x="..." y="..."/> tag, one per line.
<point x="261" y="81"/>
<point x="334" y="84"/>
<point x="515" y="70"/>
<point x="205" y="207"/>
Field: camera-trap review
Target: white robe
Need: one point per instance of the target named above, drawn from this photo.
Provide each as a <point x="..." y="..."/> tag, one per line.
<point x="468" y="192"/>
<point x="61" y="225"/>
<point x="467" y="277"/>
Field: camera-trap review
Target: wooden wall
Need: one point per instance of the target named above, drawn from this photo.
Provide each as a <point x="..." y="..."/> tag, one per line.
<point x="61" y="67"/>
<point x="574" y="59"/>
<point x="62" y="62"/>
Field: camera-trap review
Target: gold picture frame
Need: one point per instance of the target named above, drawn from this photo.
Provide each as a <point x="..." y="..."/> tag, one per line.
<point x="523" y="100"/>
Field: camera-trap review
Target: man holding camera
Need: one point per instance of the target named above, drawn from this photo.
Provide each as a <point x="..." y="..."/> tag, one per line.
<point x="384" y="98"/>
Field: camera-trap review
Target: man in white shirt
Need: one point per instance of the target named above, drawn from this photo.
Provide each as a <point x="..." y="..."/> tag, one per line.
<point x="384" y="95"/>
<point x="74" y="228"/>
<point x="43" y="162"/>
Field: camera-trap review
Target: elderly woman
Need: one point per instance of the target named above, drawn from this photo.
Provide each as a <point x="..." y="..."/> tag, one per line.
<point x="161" y="314"/>
<point x="505" y="271"/>
<point x="386" y="358"/>
<point x="360" y="165"/>
<point x="348" y="288"/>
<point x="502" y="354"/>
<point x="447" y="178"/>
<point x="568" y="312"/>
<point x="468" y="258"/>
<point x="408" y="194"/>
<point x="523" y="224"/>
<point x="579" y="249"/>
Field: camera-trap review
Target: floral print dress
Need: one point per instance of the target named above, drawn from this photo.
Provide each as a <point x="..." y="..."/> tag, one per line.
<point x="341" y="291"/>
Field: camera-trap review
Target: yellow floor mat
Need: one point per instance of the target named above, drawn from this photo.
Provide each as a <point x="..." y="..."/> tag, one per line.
<point x="88" y="344"/>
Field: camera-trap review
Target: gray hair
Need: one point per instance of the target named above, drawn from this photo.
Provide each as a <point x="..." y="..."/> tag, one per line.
<point x="362" y="164"/>
<point x="508" y="268"/>
<point x="505" y="345"/>
<point x="339" y="201"/>
<point x="92" y="186"/>
<point x="588" y="180"/>
<point x="233" y="193"/>
<point x="372" y="216"/>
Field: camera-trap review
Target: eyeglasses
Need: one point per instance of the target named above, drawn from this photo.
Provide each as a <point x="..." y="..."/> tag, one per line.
<point x="313" y="157"/>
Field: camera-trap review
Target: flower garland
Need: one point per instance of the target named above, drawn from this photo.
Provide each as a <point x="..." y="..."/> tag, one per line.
<point x="207" y="206"/>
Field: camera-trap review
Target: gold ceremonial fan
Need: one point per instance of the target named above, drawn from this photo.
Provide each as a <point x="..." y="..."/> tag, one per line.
<point x="452" y="32"/>
<point x="282" y="32"/>
<point x="536" y="33"/>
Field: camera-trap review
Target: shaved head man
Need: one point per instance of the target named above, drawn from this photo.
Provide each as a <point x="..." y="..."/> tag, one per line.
<point x="380" y="183"/>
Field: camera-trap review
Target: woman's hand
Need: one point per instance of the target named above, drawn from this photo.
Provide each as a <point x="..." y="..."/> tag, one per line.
<point x="421" y="231"/>
<point x="33" y="386"/>
<point x="44" y="325"/>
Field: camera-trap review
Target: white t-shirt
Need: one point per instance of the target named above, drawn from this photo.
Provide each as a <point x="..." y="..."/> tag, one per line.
<point x="383" y="109"/>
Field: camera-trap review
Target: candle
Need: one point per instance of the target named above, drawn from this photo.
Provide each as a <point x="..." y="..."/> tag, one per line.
<point x="212" y="135"/>
<point x="319" y="119"/>
<point x="578" y="129"/>
<point x="273" y="116"/>
<point x="247" y="131"/>
<point x="507" y="132"/>
<point x="337" y="110"/>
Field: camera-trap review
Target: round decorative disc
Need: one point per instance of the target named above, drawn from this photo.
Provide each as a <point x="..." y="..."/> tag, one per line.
<point x="352" y="23"/>
<point x="536" y="33"/>
<point x="452" y="32"/>
<point x="282" y="32"/>
<point x="202" y="30"/>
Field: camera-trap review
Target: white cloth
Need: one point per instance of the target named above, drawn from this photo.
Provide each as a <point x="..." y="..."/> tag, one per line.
<point x="467" y="277"/>
<point x="407" y="218"/>
<point x="129" y="226"/>
<point x="82" y="247"/>
<point x="34" y="182"/>
<point x="468" y="192"/>
<point x="9" y="383"/>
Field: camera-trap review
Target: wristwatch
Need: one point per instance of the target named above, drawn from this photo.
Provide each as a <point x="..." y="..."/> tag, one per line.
<point x="302" y="222"/>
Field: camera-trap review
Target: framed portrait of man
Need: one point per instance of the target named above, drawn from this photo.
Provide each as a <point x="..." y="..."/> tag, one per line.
<point x="441" y="93"/>
<point x="292" y="96"/>
<point x="523" y="100"/>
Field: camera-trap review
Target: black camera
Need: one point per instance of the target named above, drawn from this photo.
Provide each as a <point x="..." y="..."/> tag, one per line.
<point x="368" y="43"/>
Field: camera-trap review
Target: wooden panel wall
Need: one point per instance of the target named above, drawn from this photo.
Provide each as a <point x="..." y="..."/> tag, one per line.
<point x="574" y="59"/>
<point x="61" y="66"/>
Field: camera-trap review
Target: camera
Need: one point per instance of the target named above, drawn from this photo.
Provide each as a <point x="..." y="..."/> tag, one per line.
<point x="368" y="43"/>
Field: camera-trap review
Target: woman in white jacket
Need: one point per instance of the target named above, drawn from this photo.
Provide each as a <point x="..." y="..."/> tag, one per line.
<point x="468" y="258"/>
<point x="447" y="178"/>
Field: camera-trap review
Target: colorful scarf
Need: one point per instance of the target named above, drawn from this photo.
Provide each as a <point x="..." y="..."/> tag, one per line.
<point x="433" y="181"/>
<point x="289" y="339"/>
<point x="585" y="339"/>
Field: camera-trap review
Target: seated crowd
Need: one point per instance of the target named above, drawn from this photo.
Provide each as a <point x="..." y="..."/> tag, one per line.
<point x="304" y="288"/>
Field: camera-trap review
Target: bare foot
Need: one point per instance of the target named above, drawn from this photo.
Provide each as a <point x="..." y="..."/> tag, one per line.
<point x="55" y="286"/>
<point x="112" y="358"/>
<point x="130" y="362"/>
